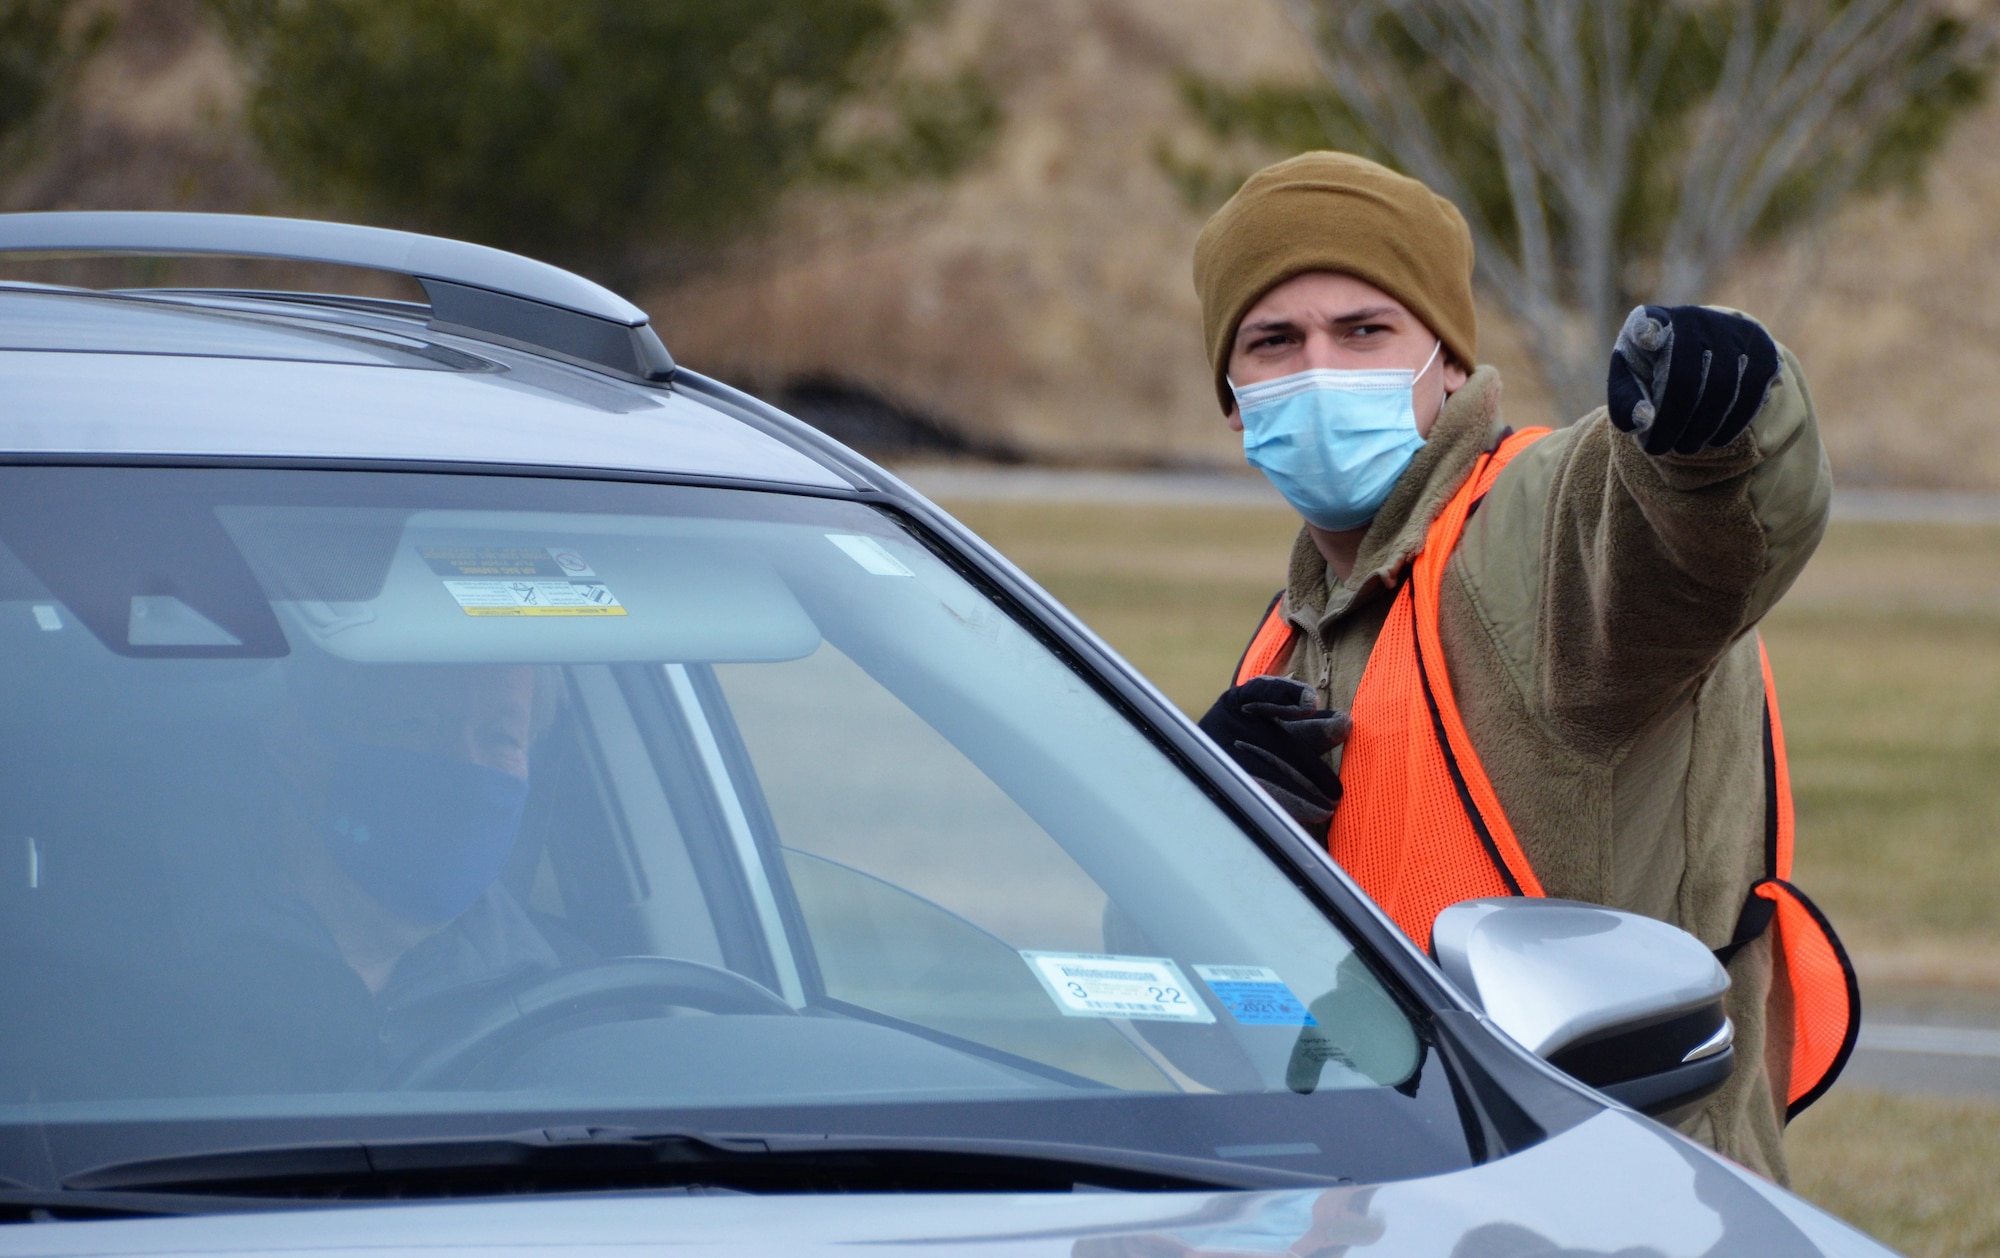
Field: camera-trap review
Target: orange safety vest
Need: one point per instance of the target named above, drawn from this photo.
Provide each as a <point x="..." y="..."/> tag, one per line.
<point x="1419" y="827"/>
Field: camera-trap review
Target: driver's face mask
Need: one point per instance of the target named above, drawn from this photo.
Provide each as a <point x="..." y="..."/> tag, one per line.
<point x="424" y="834"/>
<point x="1333" y="442"/>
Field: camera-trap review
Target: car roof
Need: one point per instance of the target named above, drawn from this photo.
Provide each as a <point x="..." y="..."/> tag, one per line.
<point x="236" y="376"/>
<point x="192" y="374"/>
<point x="512" y="362"/>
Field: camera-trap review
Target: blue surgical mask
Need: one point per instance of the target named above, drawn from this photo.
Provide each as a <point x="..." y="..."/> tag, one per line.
<point x="425" y="835"/>
<point x="1333" y="442"/>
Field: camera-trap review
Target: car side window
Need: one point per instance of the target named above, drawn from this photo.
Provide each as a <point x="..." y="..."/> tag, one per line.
<point x="852" y="775"/>
<point x="883" y="949"/>
<point x="920" y="881"/>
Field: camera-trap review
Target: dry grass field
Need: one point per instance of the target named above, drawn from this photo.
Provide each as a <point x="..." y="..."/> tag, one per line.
<point x="1915" y="1172"/>
<point x="1888" y="661"/>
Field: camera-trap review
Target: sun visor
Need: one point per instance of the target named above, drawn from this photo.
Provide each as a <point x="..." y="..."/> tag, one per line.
<point x="505" y="587"/>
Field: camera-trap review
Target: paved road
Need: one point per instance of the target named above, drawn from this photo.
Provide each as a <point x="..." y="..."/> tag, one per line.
<point x="1914" y="1057"/>
<point x="1246" y="489"/>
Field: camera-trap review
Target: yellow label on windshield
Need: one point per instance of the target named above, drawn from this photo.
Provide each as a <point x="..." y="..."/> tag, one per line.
<point x="535" y="598"/>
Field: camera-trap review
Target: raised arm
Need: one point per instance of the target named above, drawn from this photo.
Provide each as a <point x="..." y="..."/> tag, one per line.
<point x="1677" y="519"/>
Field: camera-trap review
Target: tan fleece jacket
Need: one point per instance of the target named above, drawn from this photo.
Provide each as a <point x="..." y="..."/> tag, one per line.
<point x="1597" y="621"/>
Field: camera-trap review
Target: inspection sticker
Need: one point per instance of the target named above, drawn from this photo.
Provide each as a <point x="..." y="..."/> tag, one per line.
<point x="1255" y="996"/>
<point x="872" y="555"/>
<point x="535" y="598"/>
<point x="1086" y="985"/>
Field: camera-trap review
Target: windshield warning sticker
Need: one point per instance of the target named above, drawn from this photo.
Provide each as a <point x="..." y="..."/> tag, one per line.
<point x="1085" y="985"/>
<point x="1255" y="996"/>
<point x="535" y="598"/>
<point x="521" y="581"/>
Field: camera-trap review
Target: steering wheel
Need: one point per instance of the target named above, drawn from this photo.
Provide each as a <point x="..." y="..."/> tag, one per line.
<point x="544" y="1002"/>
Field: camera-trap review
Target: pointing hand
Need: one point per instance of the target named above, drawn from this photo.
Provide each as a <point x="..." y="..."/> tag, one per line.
<point x="1684" y="377"/>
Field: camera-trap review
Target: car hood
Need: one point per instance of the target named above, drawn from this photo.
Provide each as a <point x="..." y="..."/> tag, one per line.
<point x="1615" y="1185"/>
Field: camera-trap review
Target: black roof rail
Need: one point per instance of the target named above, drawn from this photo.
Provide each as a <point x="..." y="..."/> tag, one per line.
<point x="474" y="291"/>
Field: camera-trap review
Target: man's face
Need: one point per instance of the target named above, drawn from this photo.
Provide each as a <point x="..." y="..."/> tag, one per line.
<point x="1323" y="319"/>
<point x="481" y="715"/>
<point x="431" y="840"/>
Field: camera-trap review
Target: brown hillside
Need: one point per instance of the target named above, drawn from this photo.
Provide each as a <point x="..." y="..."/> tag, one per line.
<point x="1041" y="303"/>
<point x="1894" y="308"/>
<point x="155" y="123"/>
<point x="1042" y="300"/>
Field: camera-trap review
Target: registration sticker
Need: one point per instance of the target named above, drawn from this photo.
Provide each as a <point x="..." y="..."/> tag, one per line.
<point x="1254" y="995"/>
<point x="1088" y="985"/>
<point x="535" y="598"/>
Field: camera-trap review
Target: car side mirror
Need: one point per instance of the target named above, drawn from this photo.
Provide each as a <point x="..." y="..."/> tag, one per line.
<point x="1624" y="1003"/>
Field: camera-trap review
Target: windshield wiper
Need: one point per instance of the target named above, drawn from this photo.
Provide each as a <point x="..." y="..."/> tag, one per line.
<point x="50" y="1205"/>
<point x="601" y="1159"/>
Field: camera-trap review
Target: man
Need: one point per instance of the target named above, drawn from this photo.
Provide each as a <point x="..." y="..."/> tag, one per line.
<point x="1546" y="642"/>
<point x="379" y="915"/>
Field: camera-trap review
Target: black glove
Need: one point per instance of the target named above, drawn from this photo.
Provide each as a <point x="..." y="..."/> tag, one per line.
<point x="1684" y="377"/>
<point x="1275" y="728"/>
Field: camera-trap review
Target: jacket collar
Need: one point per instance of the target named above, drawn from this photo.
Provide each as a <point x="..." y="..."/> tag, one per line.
<point x="1468" y="426"/>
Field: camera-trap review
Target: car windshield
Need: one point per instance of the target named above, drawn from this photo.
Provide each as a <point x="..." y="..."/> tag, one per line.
<point x="366" y="804"/>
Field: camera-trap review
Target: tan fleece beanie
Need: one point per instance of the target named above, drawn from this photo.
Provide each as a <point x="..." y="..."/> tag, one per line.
<point x="1335" y="212"/>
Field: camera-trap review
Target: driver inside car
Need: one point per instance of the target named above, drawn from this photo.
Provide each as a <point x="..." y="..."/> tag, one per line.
<point x="377" y="916"/>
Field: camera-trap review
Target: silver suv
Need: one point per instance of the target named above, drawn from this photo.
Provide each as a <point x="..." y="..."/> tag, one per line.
<point x="470" y="781"/>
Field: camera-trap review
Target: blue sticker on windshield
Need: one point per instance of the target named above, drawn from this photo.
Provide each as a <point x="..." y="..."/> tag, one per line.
<point x="1254" y="995"/>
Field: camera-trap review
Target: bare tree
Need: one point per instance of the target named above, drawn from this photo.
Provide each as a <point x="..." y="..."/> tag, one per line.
<point x="1623" y="150"/>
